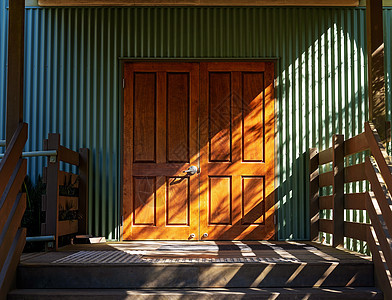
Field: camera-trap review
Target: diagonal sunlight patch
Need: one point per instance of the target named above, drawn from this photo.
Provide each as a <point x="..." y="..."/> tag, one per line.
<point x="296" y="273"/>
<point x="278" y="250"/>
<point x="263" y="275"/>
<point x="246" y="251"/>
<point x="328" y="272"/>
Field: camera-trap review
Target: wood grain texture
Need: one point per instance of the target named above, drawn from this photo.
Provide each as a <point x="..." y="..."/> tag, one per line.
<point x="169" y="216"/>
<point x="355" y="230"/>
<point x="252" y="204"/>
<point x="177" y="117"/>
<point x="325" y="156"/>
<point x="197" y="2"/>
<point x="67" y="227"/>
<point x="253" y="209"/>
<point x="356" y="144"/>
<point x="177" y="201"/>
<point x="380" y="227"/>
<point x="12" y="155"/>
<point x="15" y="67"/>
<point x="220" y="197"/>
<point x="338" y="190"/>
<point x="144" y="126"/>
<point x="8" y="270"/>
<point x="253" y="116"/>
<point x="219" y="116"/>
<point x="314" y="209"/>
<point x="144" y="200"/>
<point x="380" y="190"/>
<point x="9" y="231"/>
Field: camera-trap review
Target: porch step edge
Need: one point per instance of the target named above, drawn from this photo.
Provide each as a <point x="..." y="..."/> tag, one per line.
<point x="359" y="293"/>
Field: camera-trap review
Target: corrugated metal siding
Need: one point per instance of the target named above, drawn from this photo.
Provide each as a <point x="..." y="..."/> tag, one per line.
<point x="73" y="76"/>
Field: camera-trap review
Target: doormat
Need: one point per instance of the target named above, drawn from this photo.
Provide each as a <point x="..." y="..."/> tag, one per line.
<point x="127" y="257"/>
<point x="235" y="247"/>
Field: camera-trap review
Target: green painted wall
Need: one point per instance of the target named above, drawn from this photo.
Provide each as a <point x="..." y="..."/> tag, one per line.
<point x="72" y="83"/>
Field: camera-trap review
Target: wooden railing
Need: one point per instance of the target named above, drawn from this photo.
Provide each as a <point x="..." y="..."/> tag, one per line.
<point x="377" y="169"/>
<point x="12" y="206"/>
<point x="66" y="193"/>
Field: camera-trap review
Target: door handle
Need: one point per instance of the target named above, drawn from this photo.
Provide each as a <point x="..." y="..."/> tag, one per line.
<point x="192" y="170"/>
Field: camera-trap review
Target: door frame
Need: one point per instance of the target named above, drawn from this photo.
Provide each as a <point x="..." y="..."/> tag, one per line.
<point x="125" y="60"/>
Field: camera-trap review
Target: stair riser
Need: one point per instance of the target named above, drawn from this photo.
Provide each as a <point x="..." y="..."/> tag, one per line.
<point x="200" y="294"/>
<point x="196" y="276"/>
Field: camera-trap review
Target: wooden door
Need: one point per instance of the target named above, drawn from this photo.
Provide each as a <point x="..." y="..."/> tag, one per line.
<point x="160" y="142"/>
<point x="230" y="139"/>
<point x="237" y="151"/>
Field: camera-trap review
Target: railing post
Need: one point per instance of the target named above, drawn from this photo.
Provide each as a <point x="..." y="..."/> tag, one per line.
<point x="52" y="189"/>
<point x="338" y="190"/>
<point x="83" y="189"/>
<point x="314" y="213"/>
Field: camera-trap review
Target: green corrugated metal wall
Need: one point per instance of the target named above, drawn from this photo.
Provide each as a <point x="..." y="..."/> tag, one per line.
<point x="73" y="83"/>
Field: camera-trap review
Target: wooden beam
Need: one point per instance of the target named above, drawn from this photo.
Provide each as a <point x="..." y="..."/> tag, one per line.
<point x="376" y="80"/>
<point x="314" y="210"/>
<point x="198" y="3"/>
<point x="338" y="190"/>
<point x="15" y="67"/>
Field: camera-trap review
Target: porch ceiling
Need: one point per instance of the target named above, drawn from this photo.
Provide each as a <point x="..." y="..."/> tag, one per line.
<point x="198" y="3"/>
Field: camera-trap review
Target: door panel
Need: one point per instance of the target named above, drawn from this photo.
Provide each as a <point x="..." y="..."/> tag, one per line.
<point x="160" y="142"/>
<point x="237" y="151"/>
<point x="230" y="137"/>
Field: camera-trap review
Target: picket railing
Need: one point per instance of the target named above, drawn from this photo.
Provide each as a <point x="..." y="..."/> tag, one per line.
<point x="66" y="193"/>
<point x="377" y="169"/>
<point x="13" y="170"/>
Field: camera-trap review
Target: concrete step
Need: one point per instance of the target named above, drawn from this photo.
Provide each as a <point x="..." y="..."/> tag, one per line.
<point x="196" y="275"/>
<point x="361" y="293"/>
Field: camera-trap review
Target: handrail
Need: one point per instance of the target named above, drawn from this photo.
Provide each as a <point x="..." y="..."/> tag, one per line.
<point x="13" y="170"/>
<point x="377" y="169"/>
<point x="51" y="153"/>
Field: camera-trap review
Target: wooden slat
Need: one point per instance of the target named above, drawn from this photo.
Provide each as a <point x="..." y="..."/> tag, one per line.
<point x="355" y="201"/>
<point x="52" y="191"/>
<point x="197" y="3"/>
<point x="338" y="190"/>
<point x="84" y="161"/>
<point x="326" y="225"/>
<point x="355" y="230"/>
<point x="380" y="190"/>
<point x="65" y="178"/>
<point x="356" y="144"/>
<point x="68" y="156"/>
<point x="380" y="227"/>
<point x="326" y="202"/>
<point x="12" y="190"/>
<point x="68" y="203"/>
<point x="67" y="227"/>
<point x="325" y="156"/>
<point x="8" y="271"/>
<point x="380" y="153"/>
<point x="326" y="179"/>
<point x="382" y="274"/>
<point x="12" y="155"/>
<point x="355" y="173"/>
<point x="11" y="227"/>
